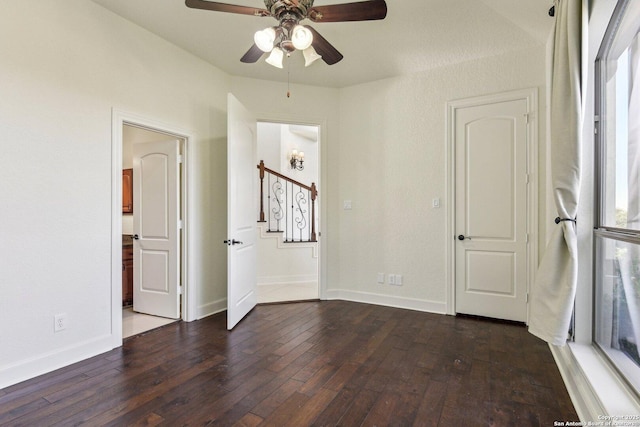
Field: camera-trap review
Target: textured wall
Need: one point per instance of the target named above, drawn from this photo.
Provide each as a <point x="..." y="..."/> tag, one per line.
<point x="391" y="161"/>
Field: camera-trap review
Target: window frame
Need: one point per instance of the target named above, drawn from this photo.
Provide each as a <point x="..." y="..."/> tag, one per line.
<point x="600" y="230"/>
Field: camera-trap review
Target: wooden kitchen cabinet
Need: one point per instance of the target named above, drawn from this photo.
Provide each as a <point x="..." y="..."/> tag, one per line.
<point x="127" y="276"/>
<point x="127" y="191"/>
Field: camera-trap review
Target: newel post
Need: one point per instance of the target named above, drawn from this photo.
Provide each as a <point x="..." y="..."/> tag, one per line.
<point x="261" y="167"/>
<point x="314" y="194"/>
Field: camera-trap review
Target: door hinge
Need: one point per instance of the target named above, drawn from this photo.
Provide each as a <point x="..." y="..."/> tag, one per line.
<point x="179" y="158"/>
<point x="526" y="297"/>
<point x="526" y="238"/>
<point x="180" y="224"/>
<point x="180" y="290"/>
<point x="527" y="178"/>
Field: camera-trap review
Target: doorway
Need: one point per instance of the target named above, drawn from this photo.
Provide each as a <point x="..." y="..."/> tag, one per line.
<point x="142" y="309"/>
<point x="128" y="130"/>
<point x="287" y="269"/>
<point x="493" y="195"/>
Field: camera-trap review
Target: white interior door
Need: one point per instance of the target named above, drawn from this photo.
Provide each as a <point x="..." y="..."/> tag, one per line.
<point x="491" y="210"/>
<point x="241" y="212"/>
<point x="156" y="267"/>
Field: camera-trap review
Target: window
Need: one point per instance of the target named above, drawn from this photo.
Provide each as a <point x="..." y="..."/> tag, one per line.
<point x="617" y="231"/>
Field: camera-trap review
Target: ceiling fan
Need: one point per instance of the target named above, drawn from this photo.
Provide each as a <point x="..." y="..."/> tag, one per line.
<point x="289" y="34"/>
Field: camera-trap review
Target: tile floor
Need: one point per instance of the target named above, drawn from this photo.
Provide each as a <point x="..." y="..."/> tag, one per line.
<point x="135" y="323"/>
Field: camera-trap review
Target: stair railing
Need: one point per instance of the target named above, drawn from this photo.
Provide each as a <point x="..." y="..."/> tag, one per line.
<point x="286" y="208"/>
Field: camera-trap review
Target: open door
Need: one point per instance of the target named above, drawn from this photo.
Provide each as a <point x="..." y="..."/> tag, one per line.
<point x="156" y="246"/>
<point x="241" y="212"/>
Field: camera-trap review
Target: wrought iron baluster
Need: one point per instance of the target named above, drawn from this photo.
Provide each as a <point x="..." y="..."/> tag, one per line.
<point x="277" y="210"/>
<point x="290" y="198"/>
<point x="301" y="220"/>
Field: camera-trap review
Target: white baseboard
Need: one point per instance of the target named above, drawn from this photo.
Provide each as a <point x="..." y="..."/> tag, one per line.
<point x="211" y="308"/>
<point x="387" y="300"/>
<point x="594" y="387"/>
<point x="42" y="364"/>
<point x="282" y="280"/>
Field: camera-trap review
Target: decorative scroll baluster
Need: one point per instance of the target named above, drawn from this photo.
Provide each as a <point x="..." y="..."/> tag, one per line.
<point x="290" y="206"/>
<point x="277" y="211"/>
<point x="300" y="219"/>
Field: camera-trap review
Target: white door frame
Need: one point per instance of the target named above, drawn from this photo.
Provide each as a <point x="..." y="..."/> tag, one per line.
<point x="270" y="117"/>
<point x="118" y="120"/>
<point x="531" y="96"/>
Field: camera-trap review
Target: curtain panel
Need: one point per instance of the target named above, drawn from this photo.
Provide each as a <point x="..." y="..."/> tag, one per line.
<point x="553" y="293"/>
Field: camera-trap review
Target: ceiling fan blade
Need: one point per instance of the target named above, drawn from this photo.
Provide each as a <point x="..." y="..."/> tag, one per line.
<point x="329" y="54"/>
<point x="359" y="11"/>
<point x="224" y="7"/>
<point x="253" y="54"/>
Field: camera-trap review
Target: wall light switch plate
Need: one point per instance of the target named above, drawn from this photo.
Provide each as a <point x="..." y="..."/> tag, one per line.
<point x="380" y="277"/>
<point x="347" y="205"/>
<point x="392" y="279"/>
<point x="435" y="203"/>
<point x="398" y="279"/>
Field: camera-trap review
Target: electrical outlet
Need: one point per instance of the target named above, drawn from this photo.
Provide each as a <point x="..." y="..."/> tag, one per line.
<point x="59" y="322"/>
<point x="435" y="203"/>
<point x="380" y="277"/>
<point x="395" y="279"/>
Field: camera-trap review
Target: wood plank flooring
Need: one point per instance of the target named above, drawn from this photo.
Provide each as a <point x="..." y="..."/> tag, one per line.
<point x="311" y="363"/>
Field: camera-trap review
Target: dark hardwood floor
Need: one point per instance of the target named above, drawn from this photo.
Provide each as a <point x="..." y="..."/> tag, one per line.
<point x="311" y="363"/>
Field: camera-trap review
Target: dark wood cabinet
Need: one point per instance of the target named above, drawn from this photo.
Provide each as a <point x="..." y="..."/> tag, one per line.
<point x="127" y="191"/>
<point x="127" y="276"/>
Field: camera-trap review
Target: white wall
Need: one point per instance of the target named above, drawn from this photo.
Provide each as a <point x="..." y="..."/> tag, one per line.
<point x="269" y="140"/>
<point x="65" y="66"/>
<point x="391" y="164"/>
<point x="294" y="141"/>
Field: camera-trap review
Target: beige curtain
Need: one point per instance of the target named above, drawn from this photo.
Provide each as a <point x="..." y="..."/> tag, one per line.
<point x="553" y="293"/>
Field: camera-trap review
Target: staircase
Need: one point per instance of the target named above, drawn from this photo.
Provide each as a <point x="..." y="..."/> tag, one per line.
<point x="287" y="206"/>
<point x="287" y="243"/>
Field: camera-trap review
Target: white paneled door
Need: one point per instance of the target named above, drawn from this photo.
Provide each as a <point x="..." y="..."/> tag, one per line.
<point x="156" y="230"/>
<point x="491" y="210"/>
<point x="242" y="213"/>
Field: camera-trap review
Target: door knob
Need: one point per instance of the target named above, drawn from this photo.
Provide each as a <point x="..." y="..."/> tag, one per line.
<point x="135" y="237"/>
<point x="462" y="237"/>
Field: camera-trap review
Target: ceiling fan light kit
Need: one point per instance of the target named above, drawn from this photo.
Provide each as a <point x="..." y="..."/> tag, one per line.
<point x="289" y="35"/>
<point x="276" y="57"/>
<point x="310" y="56"/>
<point x="301" y="37"/>
<point x="265" y="39"/>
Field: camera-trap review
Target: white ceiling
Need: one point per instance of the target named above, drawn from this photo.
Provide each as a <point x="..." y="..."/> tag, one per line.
<point x="416" y="35"/>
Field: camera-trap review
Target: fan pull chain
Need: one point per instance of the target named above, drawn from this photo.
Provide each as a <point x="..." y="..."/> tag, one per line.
<point x="288" y="78"/>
